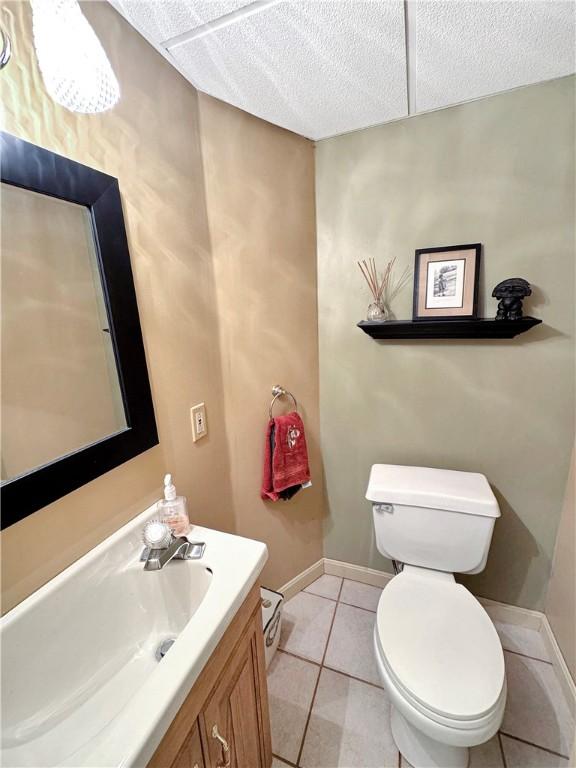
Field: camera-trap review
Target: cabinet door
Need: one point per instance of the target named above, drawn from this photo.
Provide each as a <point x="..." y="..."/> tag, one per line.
<point x="235" y="719"/>
<point x="190" y="756"/>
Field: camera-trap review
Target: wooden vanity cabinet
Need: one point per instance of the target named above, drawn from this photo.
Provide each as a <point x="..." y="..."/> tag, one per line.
<point x="191" y="755"/>
<point x="224" y="721"/>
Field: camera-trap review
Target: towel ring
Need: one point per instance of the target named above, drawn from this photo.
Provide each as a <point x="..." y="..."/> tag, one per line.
<point x="278" y="391"/>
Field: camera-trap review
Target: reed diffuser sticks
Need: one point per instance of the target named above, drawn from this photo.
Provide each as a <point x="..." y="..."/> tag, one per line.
<point x="383" y="288"/>
<point x="378" y="286"/>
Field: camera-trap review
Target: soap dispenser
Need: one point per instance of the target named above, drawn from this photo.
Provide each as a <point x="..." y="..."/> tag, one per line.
<point x="172" y="509"/>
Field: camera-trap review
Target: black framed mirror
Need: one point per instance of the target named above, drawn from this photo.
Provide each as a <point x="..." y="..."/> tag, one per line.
<point x="76" y="399"/>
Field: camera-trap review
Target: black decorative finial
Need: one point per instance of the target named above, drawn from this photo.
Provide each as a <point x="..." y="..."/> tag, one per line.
<point x="511" y="292"/>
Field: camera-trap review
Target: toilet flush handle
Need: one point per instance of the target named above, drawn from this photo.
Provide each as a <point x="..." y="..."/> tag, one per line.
<point x="381" y="508"/>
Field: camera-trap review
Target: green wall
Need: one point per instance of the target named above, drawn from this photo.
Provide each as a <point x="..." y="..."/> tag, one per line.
<point x="499" y="171"/>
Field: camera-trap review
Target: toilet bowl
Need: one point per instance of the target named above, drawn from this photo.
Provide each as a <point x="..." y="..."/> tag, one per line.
<point x="438" y="653"/>
<point x="441" y="662"/>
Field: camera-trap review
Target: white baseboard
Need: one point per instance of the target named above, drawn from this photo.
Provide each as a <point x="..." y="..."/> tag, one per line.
<point x="357" y="573"/>
<point x="509" y="614"/>
<point x="301" y="581"/>
<point x="562" y="671"/>
<point x="512" y="614"/>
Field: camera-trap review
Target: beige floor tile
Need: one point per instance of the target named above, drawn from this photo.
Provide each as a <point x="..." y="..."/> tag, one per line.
<point x="349" y="726"/>
<point x="362" y="595"/>
<point x="519" y="755"/>
<point x="276" y="763"/>
<point x="291" y="684"/>
<point x="486" y="755"/>
<point x="325" y="586"/>
<point x="351" y="645"/>
<point x="536" y="709"/>
<point x="483" y="756"/>
<point x="306" y="621"/>
<point x="522" y="640"/>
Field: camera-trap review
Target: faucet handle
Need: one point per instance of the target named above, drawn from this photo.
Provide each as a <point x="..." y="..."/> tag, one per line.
<point x="157" y="535"/>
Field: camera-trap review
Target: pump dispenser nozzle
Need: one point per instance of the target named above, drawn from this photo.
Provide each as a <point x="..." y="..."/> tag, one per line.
<point x="169" y="488"/>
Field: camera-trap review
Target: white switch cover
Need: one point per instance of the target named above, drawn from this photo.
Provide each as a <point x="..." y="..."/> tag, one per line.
<point x="199" y="423"/>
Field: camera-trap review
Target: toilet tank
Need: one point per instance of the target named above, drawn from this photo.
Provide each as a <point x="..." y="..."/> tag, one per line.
<point x="432" y="518"/>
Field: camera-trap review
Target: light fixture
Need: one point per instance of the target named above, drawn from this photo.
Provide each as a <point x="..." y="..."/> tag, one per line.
<point x="6" y="51"/>
<point x="74" y="66"/>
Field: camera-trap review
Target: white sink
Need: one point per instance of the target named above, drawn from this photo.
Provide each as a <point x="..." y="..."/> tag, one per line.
<point x="81" y="683"/>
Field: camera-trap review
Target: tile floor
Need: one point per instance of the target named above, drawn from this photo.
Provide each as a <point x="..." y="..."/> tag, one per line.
<point x="329" y="710"/>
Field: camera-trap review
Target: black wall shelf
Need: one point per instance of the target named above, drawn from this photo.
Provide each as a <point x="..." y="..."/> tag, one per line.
<point x="483" y="328"/>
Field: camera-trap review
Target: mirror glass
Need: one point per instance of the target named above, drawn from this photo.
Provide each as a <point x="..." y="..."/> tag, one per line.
<point x="60" y="385"/>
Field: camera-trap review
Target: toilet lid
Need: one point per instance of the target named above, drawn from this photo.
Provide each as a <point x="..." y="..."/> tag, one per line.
<point x="440" y="646"/>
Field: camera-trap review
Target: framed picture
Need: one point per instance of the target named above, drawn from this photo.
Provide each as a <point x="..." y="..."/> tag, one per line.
<point x="446" y="282"/>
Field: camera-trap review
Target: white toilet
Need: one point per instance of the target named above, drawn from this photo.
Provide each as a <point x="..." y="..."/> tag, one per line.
<point x="438" y="653"/>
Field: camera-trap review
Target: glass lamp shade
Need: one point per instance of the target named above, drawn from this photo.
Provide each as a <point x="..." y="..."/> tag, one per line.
<point x="74" y="66"/>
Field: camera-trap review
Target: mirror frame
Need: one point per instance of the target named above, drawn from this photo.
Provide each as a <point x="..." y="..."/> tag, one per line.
<point x="30" y="167"/>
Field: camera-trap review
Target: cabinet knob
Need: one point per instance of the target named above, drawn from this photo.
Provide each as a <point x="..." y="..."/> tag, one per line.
<point x="224" y="746"/>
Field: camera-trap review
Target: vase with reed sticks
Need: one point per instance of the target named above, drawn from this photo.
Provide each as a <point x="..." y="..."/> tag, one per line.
<point x="383" y="288"/>
<point x="377" y="312"/>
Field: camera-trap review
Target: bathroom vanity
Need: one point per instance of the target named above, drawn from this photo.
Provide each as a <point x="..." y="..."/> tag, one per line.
<point x="224" y="720"/>
<point x="84" y="682"/>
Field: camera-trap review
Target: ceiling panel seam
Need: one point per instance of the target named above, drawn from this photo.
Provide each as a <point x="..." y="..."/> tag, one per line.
<point x="410" y="43"/>
<point x="220" y="23"/>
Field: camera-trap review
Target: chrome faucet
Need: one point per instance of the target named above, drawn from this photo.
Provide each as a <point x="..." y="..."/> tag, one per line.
<point x="179" y="548"/>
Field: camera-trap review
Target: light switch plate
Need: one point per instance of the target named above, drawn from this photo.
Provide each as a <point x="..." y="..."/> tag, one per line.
<point x="199" y="423"/>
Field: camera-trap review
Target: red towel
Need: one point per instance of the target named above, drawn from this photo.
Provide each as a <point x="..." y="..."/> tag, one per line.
<point x="285" y="456"/>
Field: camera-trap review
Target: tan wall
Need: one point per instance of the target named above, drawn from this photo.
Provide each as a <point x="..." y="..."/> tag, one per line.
<point x="260" y="193"/>
<point x="499" y="171"/>
<point x="561" y="599"/>
<point x="152" y="142"/>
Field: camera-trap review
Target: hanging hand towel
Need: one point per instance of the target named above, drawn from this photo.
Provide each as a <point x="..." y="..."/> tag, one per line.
<point x="285" y="457"/>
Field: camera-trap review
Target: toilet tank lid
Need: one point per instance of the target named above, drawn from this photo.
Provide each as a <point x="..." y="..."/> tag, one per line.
<point x="447" y="489"/>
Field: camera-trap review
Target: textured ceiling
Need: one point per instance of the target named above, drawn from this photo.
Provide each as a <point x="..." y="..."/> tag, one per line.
<point x="464" y="50"/>
<point x="325" y="67"/>
<point x="161" y="20"/>
<point x="317" y="68"/>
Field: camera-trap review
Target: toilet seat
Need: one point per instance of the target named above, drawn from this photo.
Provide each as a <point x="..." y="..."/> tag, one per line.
<point x="440" y="648"/>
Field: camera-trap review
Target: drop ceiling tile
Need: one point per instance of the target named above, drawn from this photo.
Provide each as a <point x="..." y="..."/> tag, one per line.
<point x="160" y="20"/>
<point x="318" y="68"/>
<point x="464" y="50"/>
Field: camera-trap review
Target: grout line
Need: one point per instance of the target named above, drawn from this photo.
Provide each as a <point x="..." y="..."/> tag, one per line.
<point x="331" y="625"/>
<point x="353" y="677"/>
<point x="312" y="700"/>
<point x="283" y="760"/>
<point x="502" y="755"/>
<point x="317" y="681"/>
<point x="332" y="599"/>
<point x="330" y="669"/>
<point x="360" y="607"/>
<point x="532" y="744"/>
<point x="526" y="656"/>
<point x="341" y="602"/>
<point x="300" y="658"/>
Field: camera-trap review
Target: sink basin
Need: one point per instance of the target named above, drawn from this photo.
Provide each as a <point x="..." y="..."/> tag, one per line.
<point x="82" y="684"/>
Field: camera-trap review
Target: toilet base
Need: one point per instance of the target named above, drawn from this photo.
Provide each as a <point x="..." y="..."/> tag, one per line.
<point x="423" y="752"/>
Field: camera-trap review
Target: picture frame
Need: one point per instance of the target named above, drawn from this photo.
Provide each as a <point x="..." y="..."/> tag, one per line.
<point x="446" y="282"/>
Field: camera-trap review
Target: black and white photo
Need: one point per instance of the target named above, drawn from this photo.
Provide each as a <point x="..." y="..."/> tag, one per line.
<point x="446" y="282"/>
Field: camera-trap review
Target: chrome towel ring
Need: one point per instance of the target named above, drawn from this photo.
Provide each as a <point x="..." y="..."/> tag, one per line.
<point x="278" y="391"/>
